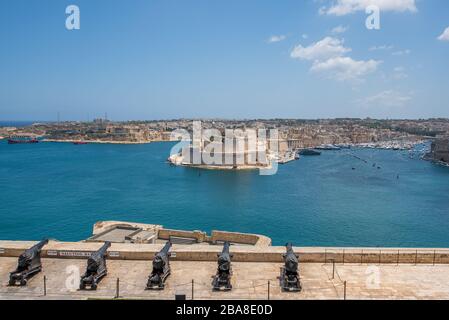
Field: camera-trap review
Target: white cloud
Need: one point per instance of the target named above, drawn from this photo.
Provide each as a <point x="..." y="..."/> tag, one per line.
<point x="344" y="7"/>
<point x="345" y="68"/>
<point x="378" y="48"/>
<point x="324" y="49"/>
<point x="387" y="98"/>
<point x="399" y="73"/>
<point x="401" y="52"/>
<point x="278" y="38"/>
<point x="339" y="29"/>
<point x="445" y="35"/>
<point x="328" y="56"/>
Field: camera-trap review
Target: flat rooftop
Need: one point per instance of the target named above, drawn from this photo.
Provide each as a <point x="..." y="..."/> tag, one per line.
<point x="250" y="281"/>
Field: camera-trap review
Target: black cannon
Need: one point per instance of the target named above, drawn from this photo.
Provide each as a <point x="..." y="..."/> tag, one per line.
<point x="28" y="265"/>
<point x="96" y="268"/>
<point x="161" y="269"/>
<point x="289" y="278"/>
<point x="222" y="280"/>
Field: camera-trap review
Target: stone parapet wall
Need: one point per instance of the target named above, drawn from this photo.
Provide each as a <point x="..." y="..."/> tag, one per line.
<point x="165" y="234"/>
<point x="102" y="226"/>
<point x="200" y="236"/>
<point x="201" y="252"/>
<point x="243" y="238"/>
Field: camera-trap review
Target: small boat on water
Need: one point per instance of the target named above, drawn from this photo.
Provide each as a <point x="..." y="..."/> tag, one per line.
<point x="328" y="147"/>
<point x="79" y="142"/>
<point x="21" y="140"/>
<point x="343" y="146"/>
<point x="309" y="152"/>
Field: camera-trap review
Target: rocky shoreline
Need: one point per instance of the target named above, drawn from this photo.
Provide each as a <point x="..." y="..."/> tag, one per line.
<point x="97" y="141"/>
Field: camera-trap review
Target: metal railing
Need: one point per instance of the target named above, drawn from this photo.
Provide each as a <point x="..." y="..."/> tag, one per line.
<point x="387" y="256"/>
<point x="193" y="290"/>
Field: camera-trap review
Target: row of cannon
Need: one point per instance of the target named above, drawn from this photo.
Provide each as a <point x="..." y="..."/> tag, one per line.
<point x="29" y="264"/>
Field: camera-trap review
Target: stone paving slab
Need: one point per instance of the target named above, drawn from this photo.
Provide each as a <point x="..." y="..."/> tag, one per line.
<point x="250" y="281"/>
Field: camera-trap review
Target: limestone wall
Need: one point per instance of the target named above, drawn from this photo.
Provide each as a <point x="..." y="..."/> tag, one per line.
<point x="165" y="234"/>
<point x="102" y="226"/>
<point x="201" y="252"/>
<point x="243" y="238"/>
<point x="200" y="236"/>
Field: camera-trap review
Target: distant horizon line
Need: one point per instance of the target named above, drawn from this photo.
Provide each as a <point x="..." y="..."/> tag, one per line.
<point x="225" y="119"/>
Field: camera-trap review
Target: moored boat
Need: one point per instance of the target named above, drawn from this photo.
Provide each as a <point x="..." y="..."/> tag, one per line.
<point x="328" y="147"/>
<point x="79" y="142"/>
<point x="309" y="152"/>
<point x="22" y="140"/>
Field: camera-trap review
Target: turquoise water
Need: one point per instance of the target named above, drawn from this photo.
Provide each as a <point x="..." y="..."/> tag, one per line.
<point x="61" y="190"/>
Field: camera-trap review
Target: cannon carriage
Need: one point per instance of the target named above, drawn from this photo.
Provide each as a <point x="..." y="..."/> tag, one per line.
<point x="161" y="269"/>
<point x="29" y="264"/>
<point x="96" y="268"/>
<point x="222" y="280"/>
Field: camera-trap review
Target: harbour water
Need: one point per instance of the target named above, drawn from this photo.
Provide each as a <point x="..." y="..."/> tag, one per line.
<point x="59" y="190"/>
<point x="17" y="124"/>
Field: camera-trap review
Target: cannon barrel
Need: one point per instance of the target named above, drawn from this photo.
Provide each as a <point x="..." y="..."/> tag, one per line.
<point x="291" y="259"/>
<point x="35" y="249"/>
<point x="289" y="247"/>
<point x="161" y="258"/>
<point x="32" y="252"/>
<point x="226" y="247"/>
<point x="98" y="255"/>
<point x="104" y="248"/>
<point x="39" y="245"/>
<point x="224" y="259"/>
<point x="166" y="248"/>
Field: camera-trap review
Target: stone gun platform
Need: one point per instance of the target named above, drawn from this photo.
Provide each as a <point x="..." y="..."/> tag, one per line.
<point x="250" y="281"/>
<point x="368" y="273"/>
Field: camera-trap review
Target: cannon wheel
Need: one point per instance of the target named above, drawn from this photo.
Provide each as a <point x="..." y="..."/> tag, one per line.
<point x="93" y="286"/>
<point x="12" y="282"/>
<point x="23" y="282"/>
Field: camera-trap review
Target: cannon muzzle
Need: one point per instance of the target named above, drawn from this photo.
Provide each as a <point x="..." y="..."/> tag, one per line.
<point x="166" y="248"/>
<point x="40" y="245"/>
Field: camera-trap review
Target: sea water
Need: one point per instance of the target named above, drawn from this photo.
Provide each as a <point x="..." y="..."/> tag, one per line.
<point x="59" y="190"/>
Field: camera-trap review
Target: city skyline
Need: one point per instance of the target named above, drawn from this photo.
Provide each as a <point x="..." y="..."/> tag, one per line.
<point x="170" y="60"/>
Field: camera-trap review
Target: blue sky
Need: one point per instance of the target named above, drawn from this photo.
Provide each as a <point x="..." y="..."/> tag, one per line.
<point x="156" y="59"/>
